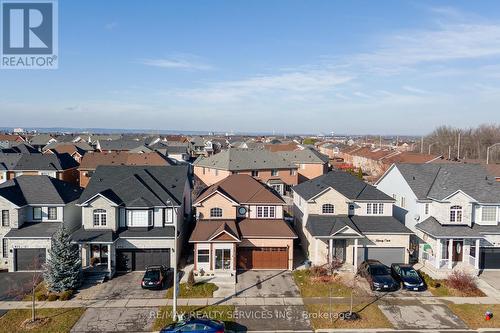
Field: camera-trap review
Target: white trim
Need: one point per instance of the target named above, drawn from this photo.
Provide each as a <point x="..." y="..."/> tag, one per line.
<point x="197" y="203"/>
<point x="215" y="236"/>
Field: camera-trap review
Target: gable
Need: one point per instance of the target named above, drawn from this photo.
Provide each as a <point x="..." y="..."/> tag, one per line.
<point x="223" y="237"/>
<point x="217" y="199"/>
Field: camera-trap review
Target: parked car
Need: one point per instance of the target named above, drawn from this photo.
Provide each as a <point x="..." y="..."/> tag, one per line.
<point x="155" y="277"/>
<point x="378" y="275"/>
<point x="408" y="277"/>
<point x="196" y="325"/>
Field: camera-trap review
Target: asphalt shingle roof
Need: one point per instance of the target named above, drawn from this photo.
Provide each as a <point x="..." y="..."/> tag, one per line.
<point x="348" y="185"/>
<point x="307" y="155"/>
<point x="30" y="230"/>
<point x="39" y="190"/>
<point x="138" y="186"/>
<point x="438" y="181"/>
<point x="54" y="162"/>
<point x="432" y="227"/>
<point x="245" y="159"/>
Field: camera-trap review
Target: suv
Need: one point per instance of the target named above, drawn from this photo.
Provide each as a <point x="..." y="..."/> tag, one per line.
<point x="378" y="275"/>
<point x="155" y="277"/>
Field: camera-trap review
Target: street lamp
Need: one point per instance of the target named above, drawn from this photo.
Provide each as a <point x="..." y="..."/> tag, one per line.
<point x="174" y="301"/>
<point x="488" y="152"/>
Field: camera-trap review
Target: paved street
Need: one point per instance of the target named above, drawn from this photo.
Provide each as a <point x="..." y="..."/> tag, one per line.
<point x="116" y="320"/>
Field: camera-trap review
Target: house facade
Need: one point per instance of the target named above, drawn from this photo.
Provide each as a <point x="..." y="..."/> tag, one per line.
<point x="33" y="208"/>
<point x="268" y="167"/>
<point x="240" y="226"/>
<point x="454" y="211"/>
<point x="129" y="217"/>
<point x="341" y="218"/>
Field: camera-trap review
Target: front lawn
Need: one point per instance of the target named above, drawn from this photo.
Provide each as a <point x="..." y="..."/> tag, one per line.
<point x="218" y="312"/>
<point x="473" y="314"/>
<point x="198" y="290"/>
<point x="324" y="316"/>
<point x="441" y="288"/>
<point x="311" y="287"/>
<point x="57" y="320"/>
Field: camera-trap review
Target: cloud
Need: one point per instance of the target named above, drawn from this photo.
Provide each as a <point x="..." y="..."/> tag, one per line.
<point x="415" y="90"/>
<point x="111" y="25"/>
<point x="183" y="62"/>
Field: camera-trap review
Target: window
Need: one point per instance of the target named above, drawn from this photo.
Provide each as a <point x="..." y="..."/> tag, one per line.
<point x="5" y="248"/>
<point x="274" y="172"/>
<point x="52" y="213"/>
<point x="426" y="209"/>
<point x="203" y="256"/>
<point x="169" y="215"/>
<point x="216" y="212"/>
<point x="293" y="172"/>
<point x="255" y="173"/>
<point x="489" y="213"/>
<point x="139" y="218"/>
<point x="328" y="209"/>
<point x="99" y="217"/>
<point x="266" y="211"/>
<point x="403" y="202"/>
<point x="456" y="214"/>
<point x="5" y="218"/>
<point x="37" y="213"/>
<point x="203" y="170"/>
<point x="374" y="208"/>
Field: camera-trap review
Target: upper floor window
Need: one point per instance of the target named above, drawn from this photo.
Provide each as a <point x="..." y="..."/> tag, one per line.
<point x="489" y="213"/>
<point x="374" y="208"/>
<point x="266" y="211"/>
<point x="52" y="213"/>
<point x="5" y="218"/>
<point x="139" y="218"/>
<point x="456" y="214"/>
<point x="99" y="216"/>
<point x="37" y="213"/>
<point x="293" y="172"/>
<point x="169" y="215"/>
<point x="255" y="173"/>
<point x="274" y="172"/>
<point x="328" y="209"/>
<point x="403" y="202"/>
<point x="216" y="212"/>
<point x="426" y="209"/>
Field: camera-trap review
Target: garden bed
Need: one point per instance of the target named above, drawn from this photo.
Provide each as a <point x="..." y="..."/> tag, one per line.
<point x="444" y="287"/>
<point x="311" y="285"/>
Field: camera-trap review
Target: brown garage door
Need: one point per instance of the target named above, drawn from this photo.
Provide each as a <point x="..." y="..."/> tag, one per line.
<point x="262" y="258"/>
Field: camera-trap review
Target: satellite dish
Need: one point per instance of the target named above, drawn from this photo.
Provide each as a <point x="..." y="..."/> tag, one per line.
<point x="417" y="217"/>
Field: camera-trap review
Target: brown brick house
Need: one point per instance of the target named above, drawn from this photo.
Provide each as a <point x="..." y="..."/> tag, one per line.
<point x="240" y="226"/>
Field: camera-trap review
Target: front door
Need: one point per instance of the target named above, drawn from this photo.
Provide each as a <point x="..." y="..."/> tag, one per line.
<point x="223" y="259"/>
<point x="458" y="248"/>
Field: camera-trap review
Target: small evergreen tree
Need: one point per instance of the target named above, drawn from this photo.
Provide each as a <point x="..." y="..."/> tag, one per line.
<point x="360" y="174"/>
<point x="190" y="281"/>
<point x="62" y="270"/>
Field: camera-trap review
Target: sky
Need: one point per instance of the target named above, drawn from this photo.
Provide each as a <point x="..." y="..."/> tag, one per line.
<point x="358" y="67"/>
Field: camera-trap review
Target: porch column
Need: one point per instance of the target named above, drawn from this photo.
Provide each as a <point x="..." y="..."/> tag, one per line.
<point x="109" y="257"/>
<point x="330" y="250"/>
<point x="355" y="254"/>
<point x="450" y="253"/>
<point x="438" y="252"/>
<point x="476" y="261"/>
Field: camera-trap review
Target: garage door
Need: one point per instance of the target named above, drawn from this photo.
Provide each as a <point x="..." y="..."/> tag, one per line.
<point x="490" y="258"/>
<point x="386" y="255"/>
<point x="262" y="258"/>
<point x="138" y="260"/>
<point x="29" y="259"/>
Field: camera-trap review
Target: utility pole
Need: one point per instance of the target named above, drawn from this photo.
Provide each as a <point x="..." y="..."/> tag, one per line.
<point x="174" y="301"/>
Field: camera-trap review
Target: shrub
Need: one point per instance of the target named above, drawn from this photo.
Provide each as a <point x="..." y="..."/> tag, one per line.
<point x="430" y="282"/>
<point x="52" y="297"/>
<point x="66" y="295"/>
<point x="318" y="271"/>
<point x="40" y="296"/>
<point x="190" y="280"/>
<point x="462" y="281"/>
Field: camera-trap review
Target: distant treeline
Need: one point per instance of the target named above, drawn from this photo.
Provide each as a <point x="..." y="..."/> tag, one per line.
<point x="444" y="140"/>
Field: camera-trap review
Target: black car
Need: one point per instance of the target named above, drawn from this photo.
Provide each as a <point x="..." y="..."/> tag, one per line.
<point x="196" y="325"/>
<point x="378" y="275"/>
<point x="155" y="277"/>
<point x="408" y="277"/>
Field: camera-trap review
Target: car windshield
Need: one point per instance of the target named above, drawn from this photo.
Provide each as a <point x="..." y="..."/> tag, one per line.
<point x="379" y="270"/>
<point x="408" y="272"/>
<point x="152" y="275"/>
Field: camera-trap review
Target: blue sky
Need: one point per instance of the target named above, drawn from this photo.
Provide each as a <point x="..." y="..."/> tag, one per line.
<point x="381" y="67"/>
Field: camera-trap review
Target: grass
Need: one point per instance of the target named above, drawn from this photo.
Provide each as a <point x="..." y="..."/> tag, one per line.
<point x="324" y="316"/>
<point x="473" y="314"/>
<point x="59" y="320"/>
<point x="439" y="288"/>
<point x="219" y="312"/>
<point x="310" y="288"/>
<point x="199" y="290"/>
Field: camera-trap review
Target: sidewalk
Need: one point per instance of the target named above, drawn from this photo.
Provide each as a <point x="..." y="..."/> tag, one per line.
<point x="240" y="301"/>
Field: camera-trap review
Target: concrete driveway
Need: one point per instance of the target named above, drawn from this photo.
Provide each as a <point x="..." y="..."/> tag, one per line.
<point x="120" y="287"/>
<point x="116" y="320"/>
<point x="266" y="284"/>
<point x="492" y="278"/>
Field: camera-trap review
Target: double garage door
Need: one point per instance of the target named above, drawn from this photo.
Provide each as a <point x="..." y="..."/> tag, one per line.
<point x="138" y="260"/>
<point x="262" y="258"/>
<point x="29" y="259"/>
<point x="386" y="255"/>
<point x="489" y="258"/>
